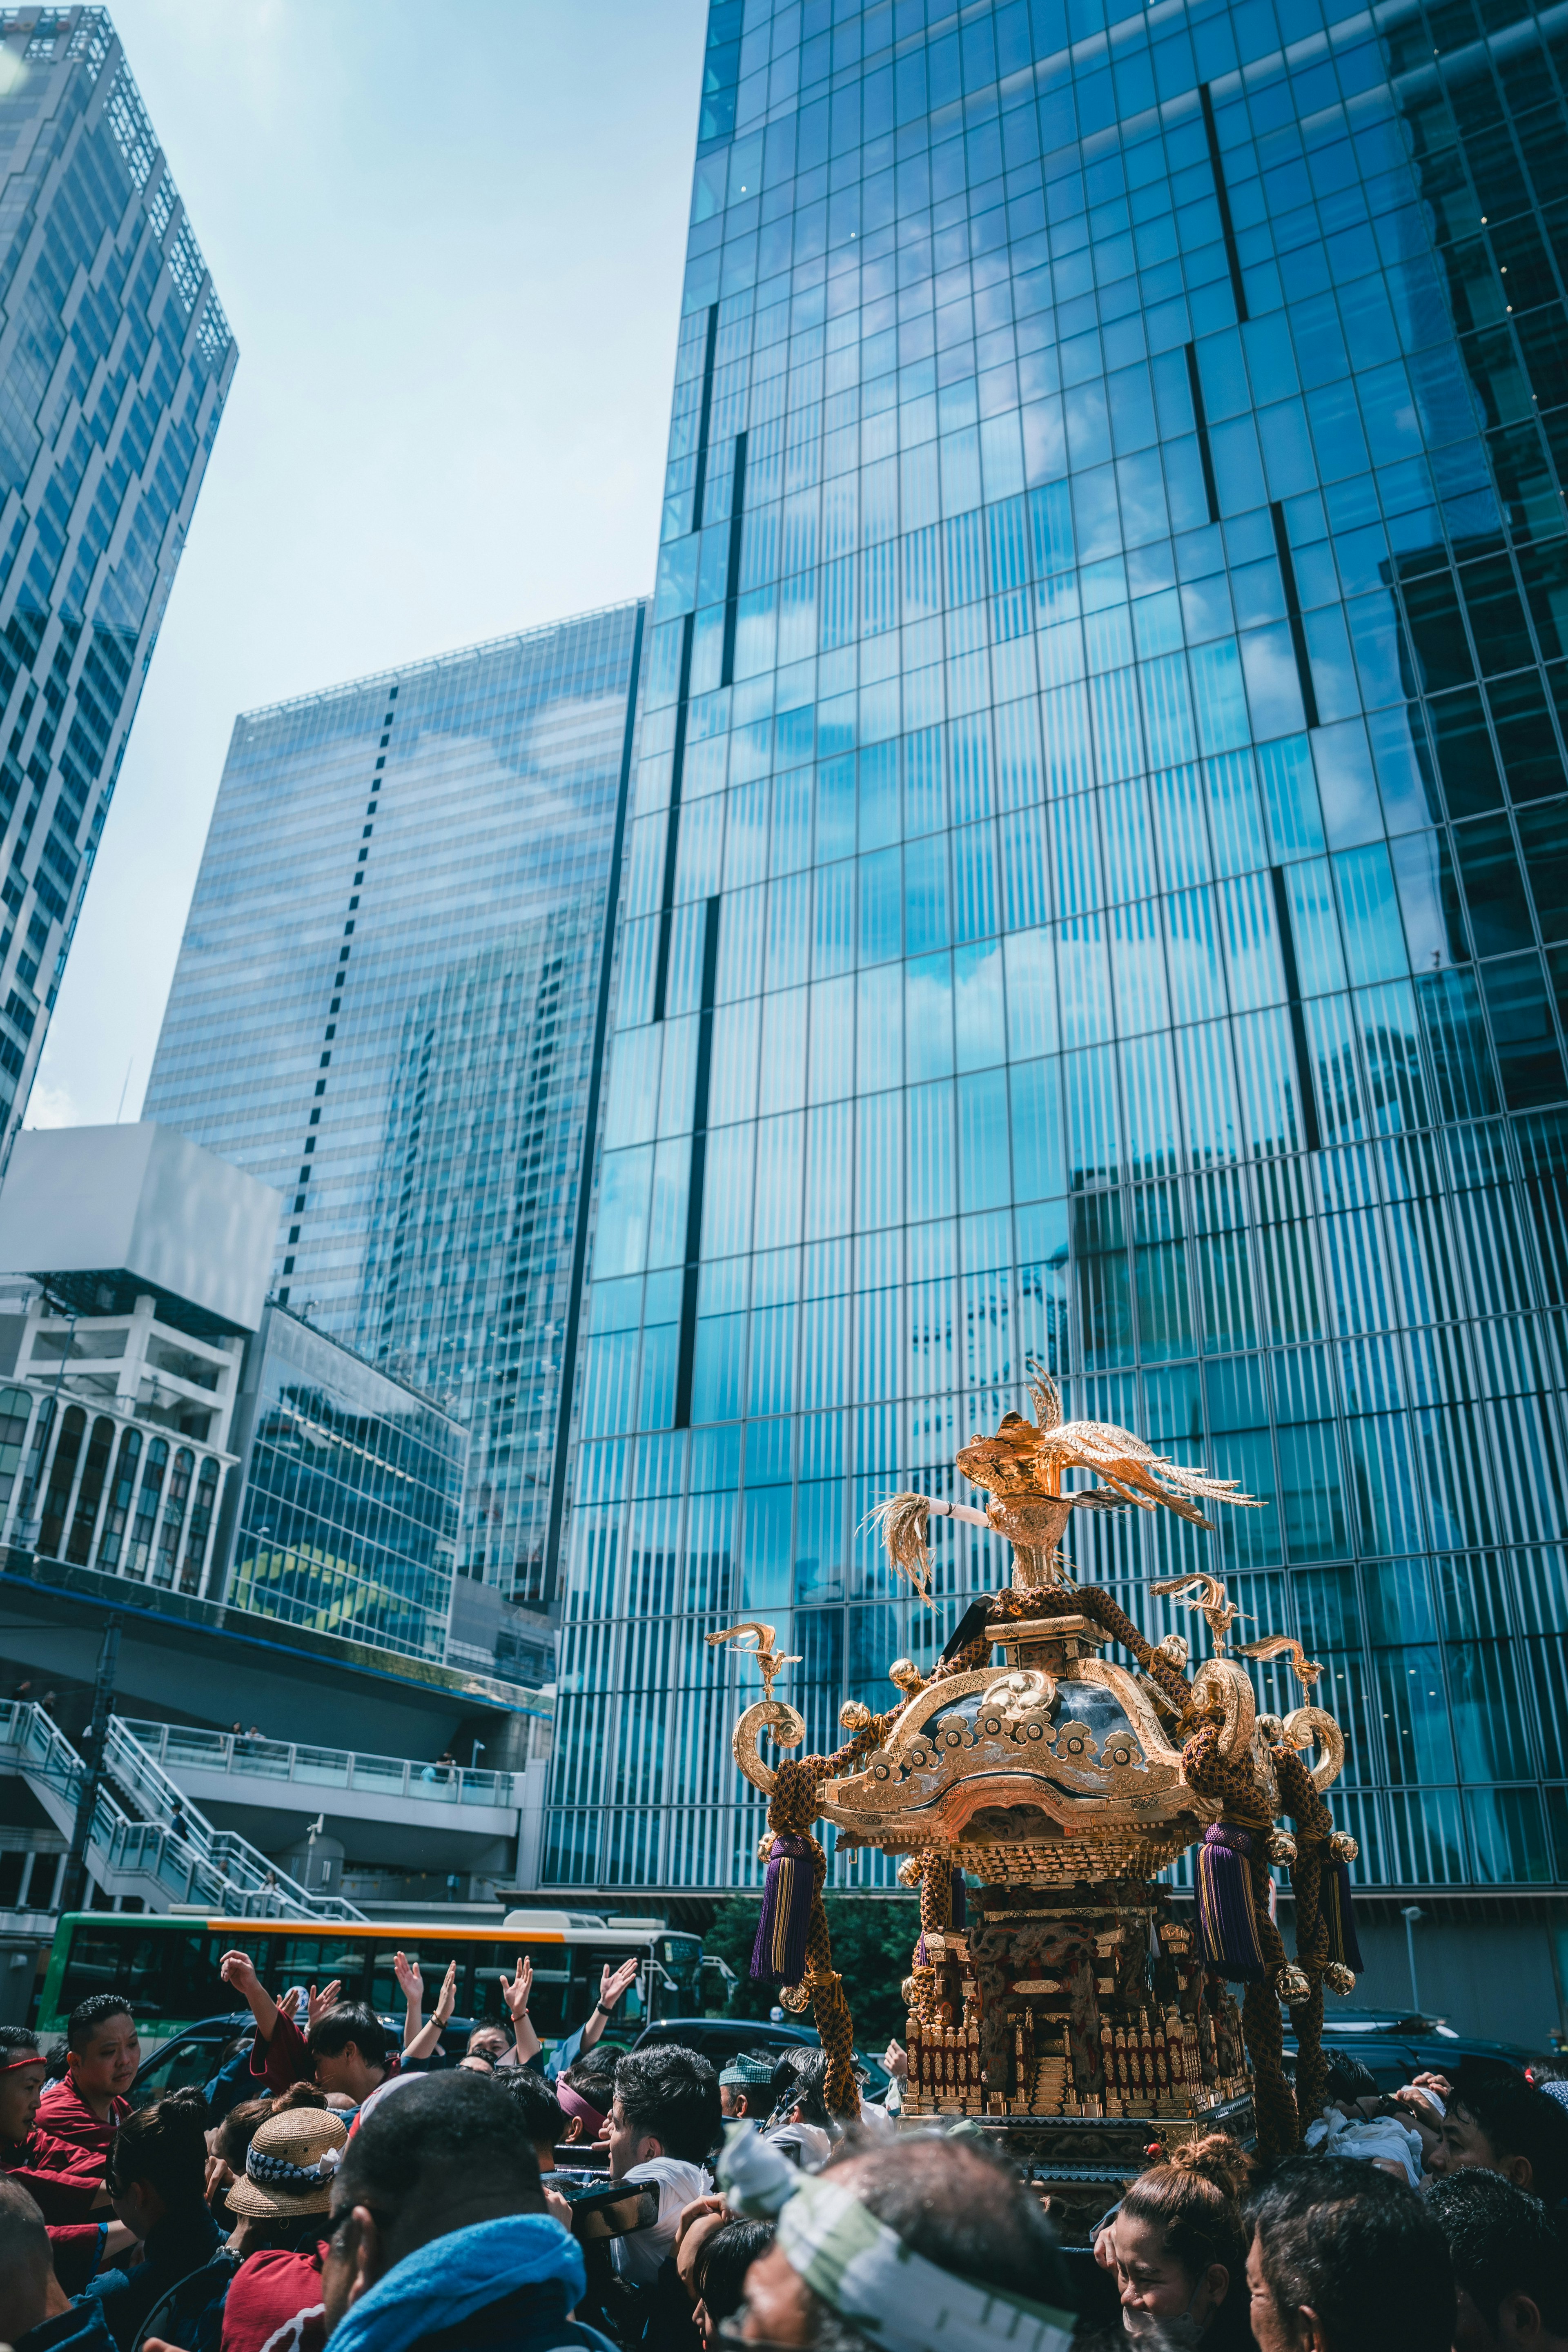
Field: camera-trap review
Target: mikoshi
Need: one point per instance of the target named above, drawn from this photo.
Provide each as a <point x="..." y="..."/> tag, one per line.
<point x="1070" y="2006"/>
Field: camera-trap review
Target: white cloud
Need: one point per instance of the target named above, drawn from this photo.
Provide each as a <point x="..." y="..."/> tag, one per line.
<point x="51" y="1106"/>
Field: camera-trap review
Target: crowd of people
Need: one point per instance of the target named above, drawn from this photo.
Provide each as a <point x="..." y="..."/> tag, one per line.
<point x="333" y="2180"/>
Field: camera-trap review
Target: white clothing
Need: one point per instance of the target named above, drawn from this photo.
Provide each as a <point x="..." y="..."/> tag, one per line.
<point x="637" y="2256"/>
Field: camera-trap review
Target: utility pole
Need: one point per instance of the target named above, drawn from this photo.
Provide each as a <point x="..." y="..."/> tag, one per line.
<point x="73" y="1888"/>
<point x="1410" y="1915"/>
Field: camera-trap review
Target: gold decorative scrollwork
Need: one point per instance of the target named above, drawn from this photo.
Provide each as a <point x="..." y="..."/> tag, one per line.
<point x="1310" y="1727"/>
<point x="787" y="1729"/>
<point x="1221" y="1683"/>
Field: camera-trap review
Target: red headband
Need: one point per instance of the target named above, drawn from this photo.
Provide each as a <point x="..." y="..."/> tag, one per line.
<point x="572" y="2103"/>
<point x="34" y="2058"/>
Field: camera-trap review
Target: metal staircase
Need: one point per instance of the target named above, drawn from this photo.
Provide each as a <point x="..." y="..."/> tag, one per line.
<point x="147" y="1838"/>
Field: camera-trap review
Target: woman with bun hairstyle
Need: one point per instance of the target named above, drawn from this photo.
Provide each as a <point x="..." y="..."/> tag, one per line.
<point x="156" y="2179"/>
<point x="1178" y="2244"/>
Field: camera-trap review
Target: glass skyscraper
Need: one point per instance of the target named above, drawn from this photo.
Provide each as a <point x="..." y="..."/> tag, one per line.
<point x="1098" y="882"/>
<point x="389" y="1004"/>
<point x="115" y="361"/>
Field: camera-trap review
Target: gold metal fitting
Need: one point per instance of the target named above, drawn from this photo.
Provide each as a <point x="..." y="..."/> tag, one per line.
<point x="1282" y="1848"/>
<point x="855" y="1714"/>
<point x="1342" y="1847"/>
<point x="1339" y="1978"/>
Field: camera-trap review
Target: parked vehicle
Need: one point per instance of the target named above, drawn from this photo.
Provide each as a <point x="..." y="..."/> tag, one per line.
<point x="723" y="2038"/>
<point x="1395" y="2045"/>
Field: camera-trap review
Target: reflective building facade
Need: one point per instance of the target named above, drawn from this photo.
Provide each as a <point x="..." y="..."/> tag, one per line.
<point x="348" y="1495"/>
<point x="1098" y="882"/>
<point x="389" y="1004"/>
<point x="115" y="361"/>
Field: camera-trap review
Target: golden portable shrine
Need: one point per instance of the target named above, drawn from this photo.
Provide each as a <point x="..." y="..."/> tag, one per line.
<point x="1070" y="2005"/>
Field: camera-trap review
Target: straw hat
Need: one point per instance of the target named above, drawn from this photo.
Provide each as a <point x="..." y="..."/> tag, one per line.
<point x="289" y="2164"/>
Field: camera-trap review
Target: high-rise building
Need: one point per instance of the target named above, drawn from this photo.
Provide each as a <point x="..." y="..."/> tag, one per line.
<point x="389" y="1004"/>
<point x="115" y="361"/>
<point x="1098" y="882"/>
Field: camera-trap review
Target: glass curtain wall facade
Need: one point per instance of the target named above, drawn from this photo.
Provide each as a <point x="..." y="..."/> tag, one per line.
<point x="1096" y="885"/>
<point x="350" y="1485"/>
<point x="115" y="361"/>
<point x="385" y="1005"/>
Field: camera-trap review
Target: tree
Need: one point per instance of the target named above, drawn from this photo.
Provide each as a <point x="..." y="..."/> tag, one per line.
<point x="873" y="1944"/>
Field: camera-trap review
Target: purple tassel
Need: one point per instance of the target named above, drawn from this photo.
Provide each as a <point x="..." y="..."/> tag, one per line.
<point x="921" y="1950"/>
<point x="779" y="1952"/>
<point x="959" y="1905"/>
<point x="1228" y="1922"/>
<point x="1340" y="1914"/>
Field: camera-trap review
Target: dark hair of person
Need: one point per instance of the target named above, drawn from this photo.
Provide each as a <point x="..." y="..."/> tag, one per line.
<point x="1348" y="2078"/>
<point x="595" y="2077"/>
<point x="90" y="2013"/>
<point x="346" y="2021"/>
<point x="454" y="2126"/>
<point x="799" y="2080"/>
<point x="1502" y="2242"/>
<point x="672" y="2094"/>
<point x="483" y="2037"/>
<point x="1195" y="2201"/>
<point x="18" y="2044"/>
<point x="165" y="2144"/>
<point x="239" y="2127"/>
<point x="964" y="2209"/>
<point x="536" y="2103"/>
<point x="1520" y="2120"/>
<point x="725" y="2255"/>
<point x="1359" y="2248"/>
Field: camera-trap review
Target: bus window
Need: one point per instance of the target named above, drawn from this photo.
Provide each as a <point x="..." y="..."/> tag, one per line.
<point x="316" y="1961"/>
<point x="162" y="1972"/>
<point x="548" y="2009"/>
<point x="681" y="1957"/>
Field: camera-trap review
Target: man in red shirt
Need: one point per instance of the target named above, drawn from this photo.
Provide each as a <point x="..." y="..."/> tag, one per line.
<point x="66" y="2182"/>
<point x="103" y="2052"/>
<point x="344" y="2048"/>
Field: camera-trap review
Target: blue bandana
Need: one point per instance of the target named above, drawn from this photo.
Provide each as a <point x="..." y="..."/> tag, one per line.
<point x="448" y="2280"/>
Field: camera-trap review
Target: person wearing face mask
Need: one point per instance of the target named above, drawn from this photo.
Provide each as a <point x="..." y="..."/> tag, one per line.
<point x="1178" y="2245"/>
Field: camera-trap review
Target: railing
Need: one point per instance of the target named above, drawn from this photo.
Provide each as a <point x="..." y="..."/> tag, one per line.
<point x="266" y="1889"/>
<point x="255" y="1758"/>
<point x="177" y="1847"/>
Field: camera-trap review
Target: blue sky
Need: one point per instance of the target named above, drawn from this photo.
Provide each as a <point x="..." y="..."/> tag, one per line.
<point x="449" y="238"/>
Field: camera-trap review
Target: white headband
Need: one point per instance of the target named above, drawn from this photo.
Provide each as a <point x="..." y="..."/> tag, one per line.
<point x="867" y="2274"/>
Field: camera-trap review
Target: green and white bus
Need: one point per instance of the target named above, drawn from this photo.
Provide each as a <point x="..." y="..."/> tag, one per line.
<point x="167" y="1966"/>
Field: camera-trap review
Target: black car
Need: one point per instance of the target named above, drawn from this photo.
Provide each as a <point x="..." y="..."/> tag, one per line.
<point x="195" y="2055"/>
<point x="1395" y="2045"/>
<point x="723" y="2038"/>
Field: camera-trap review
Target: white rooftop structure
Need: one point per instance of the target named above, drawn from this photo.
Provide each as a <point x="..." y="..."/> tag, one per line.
<point x="106" y="1214"/>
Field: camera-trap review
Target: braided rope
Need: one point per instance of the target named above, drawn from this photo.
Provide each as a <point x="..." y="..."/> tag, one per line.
<point x="1314" y="1827"/>
<point x="1235" y="1785"/>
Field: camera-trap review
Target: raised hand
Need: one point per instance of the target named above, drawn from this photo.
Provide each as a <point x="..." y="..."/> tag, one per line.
<point x="238" y="1969"/>
<point x="320" y="2002"/>
<point x="446" y="2000"/>
<point x="516" y="1990"/>
<point x="410" y="1983"/>
<point x="288" y="2006"/>
<point x="614" y="1982"/>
